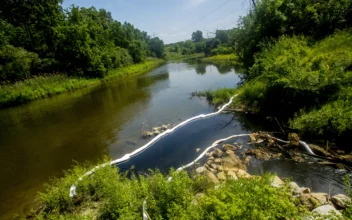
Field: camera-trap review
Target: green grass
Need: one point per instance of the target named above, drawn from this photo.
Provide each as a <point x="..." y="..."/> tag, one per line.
<point x="109" y="194"/>
<point x="45" y="86"/>
<point x="222" y="58"/>
<point x="179" y="56"/>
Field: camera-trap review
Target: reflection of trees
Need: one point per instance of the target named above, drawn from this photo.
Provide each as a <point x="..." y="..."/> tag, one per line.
<point x="43" y="138"/>
<point x="201" y="68"/>
<point x="223" y="68"/>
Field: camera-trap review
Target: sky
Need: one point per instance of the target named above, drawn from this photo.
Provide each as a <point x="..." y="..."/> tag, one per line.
<point x="172" y="20"/>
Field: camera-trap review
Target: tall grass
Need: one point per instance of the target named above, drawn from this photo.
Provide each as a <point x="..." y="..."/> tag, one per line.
<point x="44" y="86"/>
<point x="222" y="58"/>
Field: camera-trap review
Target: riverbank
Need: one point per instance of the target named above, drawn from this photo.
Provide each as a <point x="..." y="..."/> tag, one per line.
<point x="179" y="56"/>
<point x="222" y="58"/>
<point x="219" y="189"/>
<point x="46" y="86"/>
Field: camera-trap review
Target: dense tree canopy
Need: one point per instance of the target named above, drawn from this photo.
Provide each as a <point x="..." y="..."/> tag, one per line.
<point x="40" y="37"/>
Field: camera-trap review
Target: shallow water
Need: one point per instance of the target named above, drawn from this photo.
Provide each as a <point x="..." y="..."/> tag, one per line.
<point x="41" y="139"/>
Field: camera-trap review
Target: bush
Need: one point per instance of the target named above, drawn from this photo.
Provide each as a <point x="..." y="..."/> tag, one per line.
<point x="115" y="196"/>
<point x="16" y="63"/>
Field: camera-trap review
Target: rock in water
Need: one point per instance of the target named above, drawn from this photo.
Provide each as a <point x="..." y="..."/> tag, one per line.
<point x="294" y="139"/>
<point x="218" y="161"/>
<point x="341" y="201"/>
<point x="327" y="210"/>
<point x="217" y="153"/>
<point x="253" y="137"/>
<point x="227" y="147"/>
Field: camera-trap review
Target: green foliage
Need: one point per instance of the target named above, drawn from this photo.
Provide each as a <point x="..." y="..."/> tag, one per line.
<point x="271" y="19"/>
<point x="218" y="96"/>
<point x="222" y="58"/>
<point x="115" y="196"/>
<point x="16" y="63"/>
<point x="83" y="42"/>
<point x="197" y="36"/>
<point x="43" y="86"/>
<point x="348" y="189"/>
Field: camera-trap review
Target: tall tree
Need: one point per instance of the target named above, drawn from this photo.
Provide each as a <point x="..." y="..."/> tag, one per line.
<point x="197" y="36"/>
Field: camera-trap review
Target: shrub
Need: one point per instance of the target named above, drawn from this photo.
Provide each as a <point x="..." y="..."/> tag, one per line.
<point x="16" y="63"/>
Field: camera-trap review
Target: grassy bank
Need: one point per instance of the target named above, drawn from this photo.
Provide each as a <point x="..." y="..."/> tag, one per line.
<point x="307" y="83"/>
<point x="222" y="58"/>
<point x="109" y="194"/>
<point x="45" y="86"/>
<point x="179" y="56"/>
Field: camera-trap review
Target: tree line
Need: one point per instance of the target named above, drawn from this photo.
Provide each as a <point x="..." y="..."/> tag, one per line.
<point x="40" y="37"/>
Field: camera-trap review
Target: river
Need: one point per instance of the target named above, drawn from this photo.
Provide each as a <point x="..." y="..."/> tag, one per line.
<point x="41" y="139"/>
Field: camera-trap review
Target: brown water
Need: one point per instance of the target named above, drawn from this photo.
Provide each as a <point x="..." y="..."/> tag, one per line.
<point x="41" y="139"/>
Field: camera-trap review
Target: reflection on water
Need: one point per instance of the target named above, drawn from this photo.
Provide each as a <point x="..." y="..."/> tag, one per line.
<point x="41" y="139"/>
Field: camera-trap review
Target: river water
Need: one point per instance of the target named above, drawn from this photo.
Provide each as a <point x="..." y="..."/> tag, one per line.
<point x="41" y="139"/>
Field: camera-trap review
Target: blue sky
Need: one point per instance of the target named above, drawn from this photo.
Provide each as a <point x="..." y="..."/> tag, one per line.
<point x="172" y="20"/>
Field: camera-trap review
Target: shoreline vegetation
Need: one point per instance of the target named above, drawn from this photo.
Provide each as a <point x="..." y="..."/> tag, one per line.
<point x="40" y="87"/>
<point x="222" y="58"/>
<point x="221" y="188"/>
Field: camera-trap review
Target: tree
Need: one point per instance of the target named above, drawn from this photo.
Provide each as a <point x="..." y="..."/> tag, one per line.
<point x="197" y="36"/>
<point x="156" y="46"/>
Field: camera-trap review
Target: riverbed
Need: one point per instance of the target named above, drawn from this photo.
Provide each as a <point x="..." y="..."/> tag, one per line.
<point x="41" y="139"/>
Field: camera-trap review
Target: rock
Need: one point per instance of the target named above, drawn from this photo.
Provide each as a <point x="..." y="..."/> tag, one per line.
<point x="212" y="170"/>
<point x="227" y="147"/>
<point x="308" y="201"/>
<point x="211" y="158"/>
<point x="247" y="160"/>
<point x="319" y="150"/>
<point x="239" y="172"/>
<point x="341" y="201"/>
<point x="201" y="170"/>
<point x="209" y="162"/>
<point x="259" y="153"/>
<point x="327" y="210"/>
<point x="294" y="139"/>
<point x="243" y="174"/>
<point x="227" y="162"/>
<point x="210" y="154"/>
<point x="304" y="190"/>
<point x="214" y="166"/>
<point x="232" y="175"/>
<point x="293" y="186"/>
<point x="277" y="182"/>
<point x="212" y="177"/>
<point x="237" y="162"/>
<point x="322" y="198"/>
<point x="197" y="149"/>
<point x="165" y="127"/>
<point x="276" y="156"/>
<point x="301" y="190"/>
<point x="252" y="137"/>
<point x="221" y="176"/>
<point x="220" y="168"/>
<point x="217" y="153"/>
<point x="148" y="134"/>
<point x="218" y="161"/>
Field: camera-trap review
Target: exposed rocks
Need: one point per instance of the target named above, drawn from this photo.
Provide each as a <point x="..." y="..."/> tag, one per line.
<point x="293" y="139"/>
<point x="262" y="154"/>
<point x="217" y="152"/>
<point x="200" y="170"/>
<point x="327" y="210"/>
<point x="341" y="201"/>
<point x="322" y="198"/>
<point x="253" y="138"/>
<point x="227" y="147"/>
<point x="212" y="177"/>
<point x="277" y="182"/>
<point x="156" y="130"/>
<point x="232" y="175"/>
<point x="221" y="176"/>
<point x="308" y="201"/>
